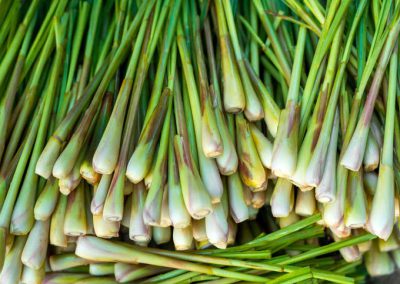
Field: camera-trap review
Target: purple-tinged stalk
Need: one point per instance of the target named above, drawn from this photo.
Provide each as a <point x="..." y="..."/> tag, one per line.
<point x="253" y="108"/>
<point x="353" y="154"/>
<point x="371" y="155"/>
<point x="208" y="167"/>
<point x="251" y="169"/>
<point x="12" y="268"/>
<point x="381" y="221"/>
<point x="228" y="161"/>
<point x="35" y="249"/>
<point x="138" y="230"/>
<point x="233" y="91"/>
<point x="325" y="191"/>
<point x="124" y="272"/>
<point x="282" y="199"/>
<point x="100" y="194"/>
<point x="210" y="136"/>
<point x="106" y="156"/>
<point x="103" y="76"/>
<point x="284" y="153"/>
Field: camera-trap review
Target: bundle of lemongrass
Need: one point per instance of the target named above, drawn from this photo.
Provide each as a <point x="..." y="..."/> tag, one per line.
<point x="172" y="122"/>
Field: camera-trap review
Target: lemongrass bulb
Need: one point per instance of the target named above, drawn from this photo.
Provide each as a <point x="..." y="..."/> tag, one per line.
<point x="282" y="198"/>
<point x="199" y="230"/>
<point x="396" y="257"/>
<point x="356" y="211"/>
<point x="217" y="227"/>
<point x="12" y="266"/>
<point x="263" y="145"/>
<point x="33" y="276"/>
<point x="232" y="230"/>
<point x="35" y="249"/>
<point x="237" y="203"/>
<point x="48" y="157"/>
<point x="390" y="244"/>
<point x="378" y="263"/>
<point x="370" y="182"/>
<point x="161" y="235"/>
<point x="138" y="230"/>
<point x="305" y="203"/>
<point x="381" y="221"/>
<point x="101" y="269"/>
<point x="354" y="153"/>
<point x="258" y="199"/>
<point x="371" y="155"/>
<point x="289" y="220"/>
<point x="183" y="238"/>
<point x="100" y="194"/>
<point x="104" y="228"/>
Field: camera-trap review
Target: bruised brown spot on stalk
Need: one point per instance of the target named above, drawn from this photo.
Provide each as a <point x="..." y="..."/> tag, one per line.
<point x="293" y="118"/>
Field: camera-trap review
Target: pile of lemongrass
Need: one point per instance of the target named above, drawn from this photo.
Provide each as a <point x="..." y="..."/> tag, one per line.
<point x="173" y="122"/>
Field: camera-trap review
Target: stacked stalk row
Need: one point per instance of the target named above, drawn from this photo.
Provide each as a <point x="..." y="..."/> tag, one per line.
<point x="173" y="123"/>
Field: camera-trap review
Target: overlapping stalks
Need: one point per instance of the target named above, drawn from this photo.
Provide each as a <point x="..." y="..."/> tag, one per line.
<point x="176" y="123"/>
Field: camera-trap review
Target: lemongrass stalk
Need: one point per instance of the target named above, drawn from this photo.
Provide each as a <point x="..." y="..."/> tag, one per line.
<point x="330" y="28"/>
<point x="130" y="272"/>
<point x="166" y="46"/>
<point x="35" y="249"/>
<point x="210" y="136"/>
<point x="217" y="224"/>
<point x="161" y="235"/>
<point x="263" y="145"/>
<point x="268" y="27"/>
<point x="59" y="262"/>
<point x="232" y="230"/>
<point x="100" y="194"/>
<point x="57" y="236"/>
<point x="237" y="205"/>
<point x="284" y="153"/>
<point x="305" y="203"/>
<point x="251" y="169"/>
<point x="371" y="155"/>
<point x="89" y="215"/>
<point x="165" y="220"/>
<point x="153" y="204"/>
<point x="228" y="161"/>
<point x="12" y="88"/>
<point x="101" y="269"/>
<point x="183" y="238"/>
<point x="292" y="218"/>
<point x="233" y="92"/>
<point x="282" y="198"/>
<point x="370" y="182"/>
<point x="129" y="187"/>
<point x="377" y="131"/>
<point x="18" y="38"/>
<point x="258" y="200"/>
<point x="90" y="41"/>
<point x="199" y="230"/>
<point x="388" y="245"/>
<point x="73" y="179"/>
<point x="103" y="76"/>
<point x="12" y="268"/>
<point x="138" y="230"/>
<point x="378" y="263"/>
<point x="104" y="228"/>
<point x="7" y="208"/>
<point x="179" y="215"/>
<point x="46" y="201"/>
<point x="355" y="215"/>
<point x="86" y="169"/>
<point x="350" y="253"/>
<point x="208" y="168"/>
<point x="106" y="155"/>
<point x="381" y="222"/>
<point x="354" y="152"/>
<point x="31" y="93"/>
<point x="75" y="216"/>
<point x="33" y="276"/>
<point x="62" y="277"/>
<point x="253" y="109"/>
<point x="271" y="109"/>
<point x="196" y="197"/>
<point x="126" y="218"/>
